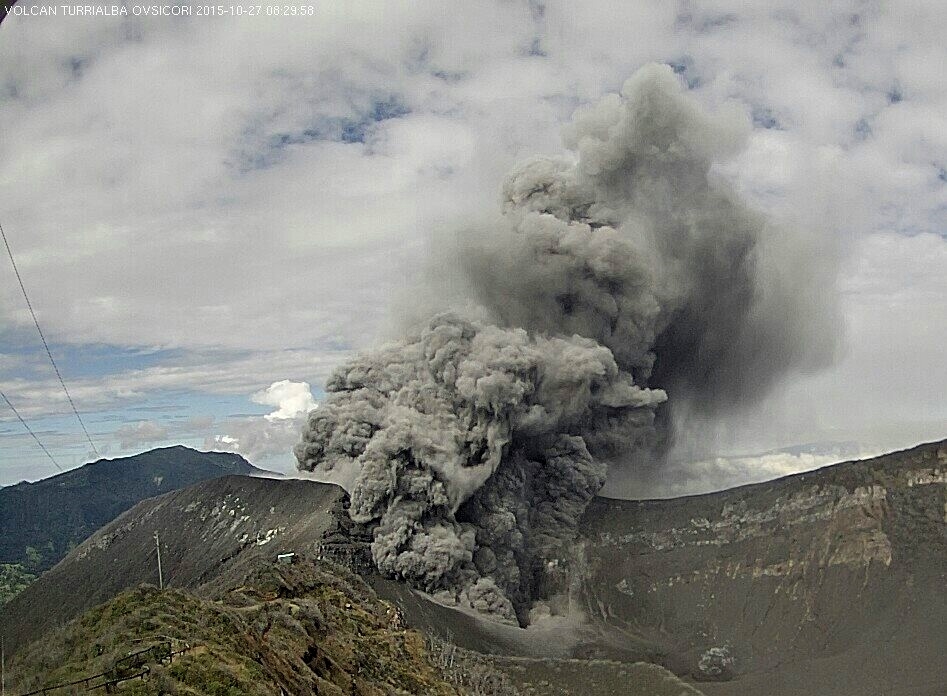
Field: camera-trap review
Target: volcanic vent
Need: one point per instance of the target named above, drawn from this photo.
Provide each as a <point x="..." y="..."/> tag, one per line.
<point x="616" y="287"/>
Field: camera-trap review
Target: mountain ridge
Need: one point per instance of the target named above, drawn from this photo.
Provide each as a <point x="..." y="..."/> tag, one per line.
<point x="40" y="522"/>
<point x="814" y="569"/>
<point x="760" y="590"/>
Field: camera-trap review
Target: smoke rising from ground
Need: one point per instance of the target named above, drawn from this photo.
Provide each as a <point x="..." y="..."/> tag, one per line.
<point x="617" y="289"/>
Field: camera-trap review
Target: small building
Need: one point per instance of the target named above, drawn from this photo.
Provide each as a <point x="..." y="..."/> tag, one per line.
<point x="286" y="558"/>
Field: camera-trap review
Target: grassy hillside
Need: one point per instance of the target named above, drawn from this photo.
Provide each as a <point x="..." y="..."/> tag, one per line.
<point x="13" y="580"/>
<point x="211" y="534"/>
<point x="41" y="522"/>
<point x="311" y="627"/>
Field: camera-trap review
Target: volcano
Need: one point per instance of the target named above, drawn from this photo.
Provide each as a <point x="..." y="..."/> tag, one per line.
<point x="827" y="582"/>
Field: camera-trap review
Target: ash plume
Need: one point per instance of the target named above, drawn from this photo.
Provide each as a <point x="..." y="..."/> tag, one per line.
<point x="617" y="288"/>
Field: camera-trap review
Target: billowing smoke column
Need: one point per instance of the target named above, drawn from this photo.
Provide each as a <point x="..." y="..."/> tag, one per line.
<point x="613" y="283"/>
<point x="472" y="447"/>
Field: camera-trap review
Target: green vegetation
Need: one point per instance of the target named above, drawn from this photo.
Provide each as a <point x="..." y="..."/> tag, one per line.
<point x="311" y="627"/>
<point x="33" y="557"/>
<point x="41" y="522"/>
<point x="13" y="579"/>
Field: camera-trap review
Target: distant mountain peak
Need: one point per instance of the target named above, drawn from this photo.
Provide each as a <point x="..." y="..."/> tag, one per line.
<point x="41" y="521"/>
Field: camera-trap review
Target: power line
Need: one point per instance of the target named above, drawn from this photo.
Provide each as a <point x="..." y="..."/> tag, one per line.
<point x="30" y="431"/>
<point x="45" y="344"/>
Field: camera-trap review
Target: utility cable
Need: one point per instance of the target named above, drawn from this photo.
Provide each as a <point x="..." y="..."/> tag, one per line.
<point x="45" y="344"/>
<point x="30" y="431"/>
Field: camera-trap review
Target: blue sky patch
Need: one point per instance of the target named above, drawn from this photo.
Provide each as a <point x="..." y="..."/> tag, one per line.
<point x="763" y="117"/>
<point x="350" y="130"/>
<point x="685" y="68"/>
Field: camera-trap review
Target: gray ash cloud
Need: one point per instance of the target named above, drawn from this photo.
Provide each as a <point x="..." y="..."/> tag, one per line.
<point x="617" y="288"/>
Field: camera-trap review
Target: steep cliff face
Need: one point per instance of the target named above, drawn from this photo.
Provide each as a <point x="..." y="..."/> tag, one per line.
<point x="831" y="580"/>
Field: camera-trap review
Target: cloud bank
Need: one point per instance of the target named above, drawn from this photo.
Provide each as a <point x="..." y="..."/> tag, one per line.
<point x="273" y="434"/>
<point x="132" y="436"/>
<point x="182" y="180"/>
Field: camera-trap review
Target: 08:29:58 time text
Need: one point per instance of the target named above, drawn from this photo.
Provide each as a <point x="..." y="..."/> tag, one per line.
<point x="254" y="10"/>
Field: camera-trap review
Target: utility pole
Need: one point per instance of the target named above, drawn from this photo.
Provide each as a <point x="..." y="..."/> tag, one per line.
<point x="160" y="576"/>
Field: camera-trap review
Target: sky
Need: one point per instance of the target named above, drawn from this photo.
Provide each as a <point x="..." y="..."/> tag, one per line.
<point x="211" y="213"/>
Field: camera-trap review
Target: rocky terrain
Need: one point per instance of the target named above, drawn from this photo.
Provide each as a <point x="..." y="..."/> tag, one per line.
<point x="567" y="677"/>
<point x="829" y="582"/>
<point x="219" y="541"/>
<point x="210" y="533"/>
<point x="307" y="628"/>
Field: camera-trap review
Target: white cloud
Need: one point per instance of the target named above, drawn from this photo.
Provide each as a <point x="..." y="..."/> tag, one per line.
<point x="194" y="372"/>
<point x="222" y="187"/>
<point x="264" y="443"/>
<point x="135" y="435"/>
<point x="719" y="473"/>
<point x="292" y="400"/>
<point x="269" y="438"/>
